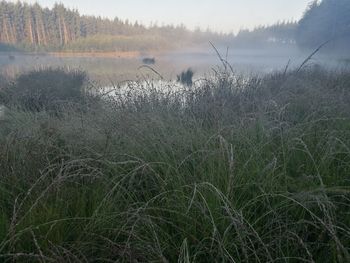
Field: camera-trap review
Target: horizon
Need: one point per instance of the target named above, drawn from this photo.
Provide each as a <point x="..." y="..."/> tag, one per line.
<point x="234" y="15"/>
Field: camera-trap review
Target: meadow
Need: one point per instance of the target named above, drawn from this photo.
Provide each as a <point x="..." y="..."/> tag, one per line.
<point x="231" y="169"/>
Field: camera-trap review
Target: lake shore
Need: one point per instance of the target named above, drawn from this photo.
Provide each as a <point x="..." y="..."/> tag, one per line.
<point x="72" y="54"/>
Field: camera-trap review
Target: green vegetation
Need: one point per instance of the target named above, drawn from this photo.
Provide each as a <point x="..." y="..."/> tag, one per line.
<point x="186" y="77"/>
<point x="232" y="169"/>
<point x="119" y="43"/>
<point x="33" y="28"/>
<point x="48" y="89"/>
<point x="326" y="20"/>
<point x="280" y="34"/>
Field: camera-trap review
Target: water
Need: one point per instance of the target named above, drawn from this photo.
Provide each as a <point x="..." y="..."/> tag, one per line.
<point x="118" y="75"/>
<point x="112" y="70"/>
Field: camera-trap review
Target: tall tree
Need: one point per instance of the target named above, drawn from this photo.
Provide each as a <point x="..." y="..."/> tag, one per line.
<point x="327" y="20"/>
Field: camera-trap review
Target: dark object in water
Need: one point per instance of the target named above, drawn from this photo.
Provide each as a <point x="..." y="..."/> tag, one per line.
<point x="149" y="61"/>
<point x="11" y="57"/>
<point x="185" y="77"/>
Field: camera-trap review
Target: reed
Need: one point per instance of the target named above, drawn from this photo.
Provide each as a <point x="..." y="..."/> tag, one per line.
<point x="234" y="169"/>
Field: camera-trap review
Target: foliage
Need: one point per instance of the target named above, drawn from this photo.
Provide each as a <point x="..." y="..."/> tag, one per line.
<point x="281" y="34"/>
<point x="47" y="89"/>
<point x="3" y="81"/>
<point x="186" y="77"/>
<point x="117" y="43"/>
<point x="327" y="20"/>
<point x="34" y="28"/>
<point x="231" y="170"/>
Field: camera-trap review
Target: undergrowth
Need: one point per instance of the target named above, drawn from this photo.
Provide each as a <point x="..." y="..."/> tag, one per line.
<point x="232" y="169"/>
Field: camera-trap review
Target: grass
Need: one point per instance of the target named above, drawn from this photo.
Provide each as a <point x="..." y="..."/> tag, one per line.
<point x="46" y="89"/>
<point x="231" y="169"/>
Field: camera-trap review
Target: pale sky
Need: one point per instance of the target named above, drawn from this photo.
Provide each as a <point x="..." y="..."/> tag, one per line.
<point x="218" y="15"/>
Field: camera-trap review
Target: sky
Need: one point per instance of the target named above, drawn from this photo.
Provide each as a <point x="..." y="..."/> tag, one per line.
<point x="218" y="15"/>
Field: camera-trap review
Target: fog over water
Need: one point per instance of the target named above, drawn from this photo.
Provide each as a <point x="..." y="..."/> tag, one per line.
<point x="169" y="64"/>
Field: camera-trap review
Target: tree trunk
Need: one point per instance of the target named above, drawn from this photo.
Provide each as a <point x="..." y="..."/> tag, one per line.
<point x="6" y="31"/>
<point x="60" y="30"/>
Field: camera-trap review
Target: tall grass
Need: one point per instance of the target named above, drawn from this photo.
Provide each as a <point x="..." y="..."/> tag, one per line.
<point x="230" y="170"/>
<point x="47" y="89"/>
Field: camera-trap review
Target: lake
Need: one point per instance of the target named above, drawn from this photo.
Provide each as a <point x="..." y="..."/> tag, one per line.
<point x="113" y="69"/>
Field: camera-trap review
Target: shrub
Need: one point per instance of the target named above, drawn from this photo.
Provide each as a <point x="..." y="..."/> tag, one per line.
<point x="185" y="77"/>
<point x="46" y="89"/>
<point x="2" y="81"/>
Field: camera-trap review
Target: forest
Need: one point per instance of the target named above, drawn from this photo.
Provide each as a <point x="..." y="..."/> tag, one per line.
<point x="325" y="21"/>
<point x="281" y="33"/>
<point x="34" y="28"/>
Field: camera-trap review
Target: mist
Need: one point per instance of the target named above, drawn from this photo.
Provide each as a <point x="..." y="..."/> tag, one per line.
<point x="120" y="44"/>
<point x="125" y="141"/>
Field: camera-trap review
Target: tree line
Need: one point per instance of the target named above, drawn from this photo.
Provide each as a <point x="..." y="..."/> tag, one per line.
<point x="325" y="21"/>
<point x="32" y="27"/>
<point x="281" y="33"/>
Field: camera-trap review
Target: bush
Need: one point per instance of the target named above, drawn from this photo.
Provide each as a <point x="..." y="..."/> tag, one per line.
<point x="2" y="81"/>
<point x="185" y="77"/>
<point x="47" y="89"/>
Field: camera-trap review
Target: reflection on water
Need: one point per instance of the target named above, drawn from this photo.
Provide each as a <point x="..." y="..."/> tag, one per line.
<point x="141" y="87"/>
<point x="114" y="70"/>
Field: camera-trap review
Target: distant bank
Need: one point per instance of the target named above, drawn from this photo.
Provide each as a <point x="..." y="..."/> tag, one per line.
<point x="118" y="54"/>
<point x="68" y="54"/>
